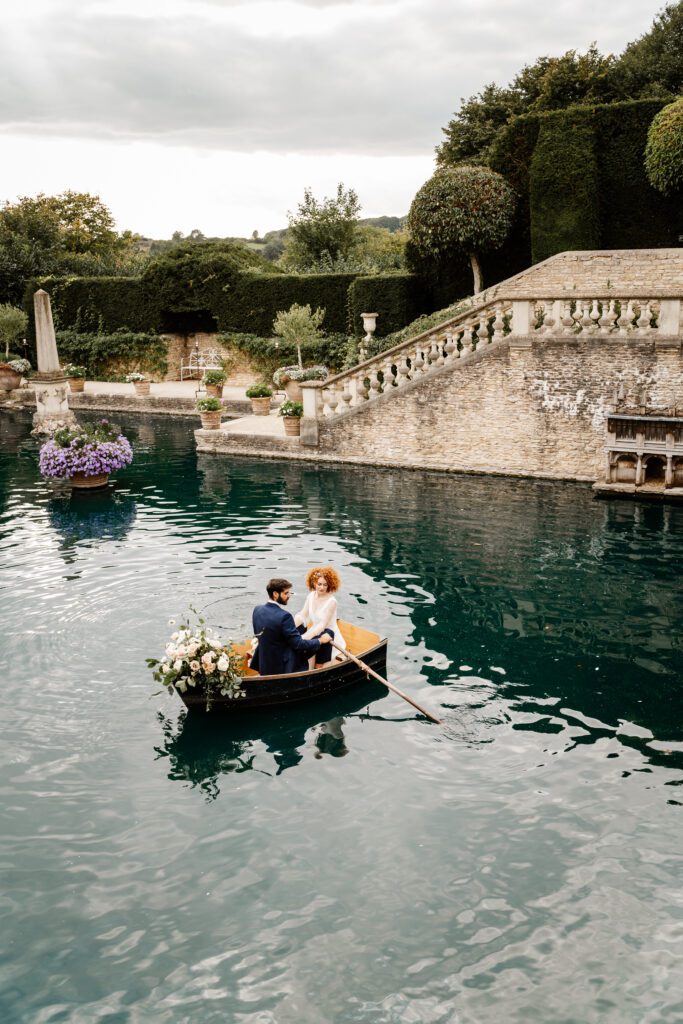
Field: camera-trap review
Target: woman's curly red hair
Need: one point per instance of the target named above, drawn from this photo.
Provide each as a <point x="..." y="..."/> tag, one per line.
<point x="330" y="575"/>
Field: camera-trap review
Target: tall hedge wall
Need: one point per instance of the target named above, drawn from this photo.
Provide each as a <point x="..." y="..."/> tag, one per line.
<point x="397" y="298"/>
<point x="581" y="182"/>
<point x="252" y="302"/>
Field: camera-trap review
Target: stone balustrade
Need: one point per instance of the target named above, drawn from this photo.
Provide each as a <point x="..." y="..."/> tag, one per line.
<point x="522" y="319"/>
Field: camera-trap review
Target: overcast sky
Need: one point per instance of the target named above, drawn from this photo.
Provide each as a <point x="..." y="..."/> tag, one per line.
<point x="214" y="114"/>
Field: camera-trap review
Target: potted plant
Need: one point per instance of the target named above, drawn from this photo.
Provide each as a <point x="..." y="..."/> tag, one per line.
<point x="214" y="380"/>
<point x="210" y="410"/>
<point x="291" y="413"/>
<point x="11" y="373"/>
<point x="289" y="378"/>
<point x="260" y="395"/>
<point x="85" y="455"/>
<point x="139" y="382"/>
<point x="75" y="376"/>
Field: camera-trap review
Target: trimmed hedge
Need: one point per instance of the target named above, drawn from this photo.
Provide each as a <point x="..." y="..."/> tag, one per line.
<point x="581" y="182"/>
<point x="252" y="302"/>
<point x="89" y="304"/>
<point x="397" y="298"/>
<point x="564" y="200"/>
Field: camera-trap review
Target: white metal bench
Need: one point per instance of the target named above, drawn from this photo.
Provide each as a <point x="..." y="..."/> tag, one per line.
<point x="200" y="362"/>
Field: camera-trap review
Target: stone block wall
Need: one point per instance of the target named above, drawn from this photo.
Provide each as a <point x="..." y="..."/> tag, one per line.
<point x="599" y="273"/>
<point x="522" y="407"/>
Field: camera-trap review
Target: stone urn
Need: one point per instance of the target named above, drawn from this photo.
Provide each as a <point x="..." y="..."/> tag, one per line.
<point x="260" y="406"/>
<point x="89" y="483"/>
<point x="294" y="391"/>
<point x="76" y="384"/>
<point x="292" y="425"/>
<point x="9" y="378"/>
<point x="141" y="388"/>
<point x="211" y="420"/>
<point x="214" y="390"/>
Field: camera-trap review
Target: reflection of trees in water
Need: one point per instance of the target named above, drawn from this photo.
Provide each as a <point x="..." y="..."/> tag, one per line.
<point x="82" y="516"/>
<point x="202" y="748"/>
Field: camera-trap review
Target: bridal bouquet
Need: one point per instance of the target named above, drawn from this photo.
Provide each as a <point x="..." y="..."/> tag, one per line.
<point x="194" y="657"/>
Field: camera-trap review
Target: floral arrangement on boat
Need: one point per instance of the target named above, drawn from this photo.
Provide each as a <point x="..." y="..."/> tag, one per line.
<point x="85" y="454"/>
<point x="196" y="658"/>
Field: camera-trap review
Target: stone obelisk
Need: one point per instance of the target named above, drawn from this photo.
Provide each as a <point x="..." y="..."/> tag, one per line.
<point x="52" y="402"/>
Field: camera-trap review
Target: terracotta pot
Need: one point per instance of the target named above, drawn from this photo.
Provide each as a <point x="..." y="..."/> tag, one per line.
<point x="260" y="406"/>
<point x="292" y="425"/>
<point x="294" y="392"/>
<point x="89" y="482"/>
<point x="211" y="420"/>
<point x="9" y="379"/>
<point x="214" y="390"/>
<point x="141" y="388"/>
<point x="76" y="384"/>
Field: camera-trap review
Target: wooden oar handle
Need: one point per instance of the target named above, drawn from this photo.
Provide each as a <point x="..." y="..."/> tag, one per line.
<point x="389" y="686"/>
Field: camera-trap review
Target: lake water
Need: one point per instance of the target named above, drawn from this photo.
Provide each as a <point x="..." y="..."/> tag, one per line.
<point x="347" y="863"/>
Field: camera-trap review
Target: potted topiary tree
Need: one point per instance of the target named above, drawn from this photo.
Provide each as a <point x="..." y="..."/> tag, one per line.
<point x="291" y="413"/>
<point x="139" y="382"/>
<point x="214" y="380"/>
<point x="210" y="410"/>
<point x="260" y="396"/>
<point x="298" y="325"/>
<point x="75" y="376"/>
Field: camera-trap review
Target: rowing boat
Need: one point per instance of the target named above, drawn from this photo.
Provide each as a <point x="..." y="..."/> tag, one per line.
<point x="296" y="687"/>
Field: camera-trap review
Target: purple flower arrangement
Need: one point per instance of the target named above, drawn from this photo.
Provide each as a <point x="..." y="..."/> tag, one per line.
<point x="92" y="449"/>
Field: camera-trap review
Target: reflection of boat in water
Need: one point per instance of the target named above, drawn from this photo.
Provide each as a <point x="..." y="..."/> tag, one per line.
<point x="201" y="748"/>
<point x="297" y="687"/>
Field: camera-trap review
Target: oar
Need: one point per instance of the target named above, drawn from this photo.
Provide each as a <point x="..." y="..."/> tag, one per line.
<point x="385" y="682"/>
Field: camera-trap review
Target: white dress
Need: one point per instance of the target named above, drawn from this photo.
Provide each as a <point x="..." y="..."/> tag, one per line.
<point x="322" y="614"/>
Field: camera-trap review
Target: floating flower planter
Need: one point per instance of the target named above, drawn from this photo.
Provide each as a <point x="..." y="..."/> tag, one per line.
<point x="85" y="455"/>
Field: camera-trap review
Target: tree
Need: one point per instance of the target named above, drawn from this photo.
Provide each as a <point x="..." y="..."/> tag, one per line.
<point x="299" y="325"/>
<point x="461" y="209"/>
<point x="72" y="233"/>
<point x="653" y="64"/>
<point x="550" y="83"/>
<point x="322" y="230"/>
<point x="13" y="324"/>
<point x="664" y="149"/>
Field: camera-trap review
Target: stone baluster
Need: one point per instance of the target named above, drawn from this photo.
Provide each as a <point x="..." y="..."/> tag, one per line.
<point x="594" y="314"/>
<point x="441" y="357"/>
<point x="483" y="331"/>
<point x="346" y="395"/>
<point x="388" y="374"/>
<point x="330" y="400"/>
<point x="466" y="340"/>
<point x="609" y="315"/>
<point x="418" y="363"/>
<point x="375" y="382"/>
<point x="403" y="369"/>
<point x="450" y="347"/>
<point x="645" y="316"/>
<point x="585" y="321"/>
<point x="567" y="318"/>
<point x="498" y="324"/>
<point x="433" y="354"/>
<point x="624" y="319"/>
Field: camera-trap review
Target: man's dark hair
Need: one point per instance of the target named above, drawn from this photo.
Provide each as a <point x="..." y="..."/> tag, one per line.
<point x="277" y="585"/>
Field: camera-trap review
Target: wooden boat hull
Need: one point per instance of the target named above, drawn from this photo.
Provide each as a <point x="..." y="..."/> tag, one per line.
<point x="298" y="687"/>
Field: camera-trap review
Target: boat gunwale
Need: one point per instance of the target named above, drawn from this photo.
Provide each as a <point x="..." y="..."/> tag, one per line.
<point x="327" y="667"/>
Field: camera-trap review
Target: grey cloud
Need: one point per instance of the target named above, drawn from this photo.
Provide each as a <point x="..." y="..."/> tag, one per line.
<point x="189" y="81"/>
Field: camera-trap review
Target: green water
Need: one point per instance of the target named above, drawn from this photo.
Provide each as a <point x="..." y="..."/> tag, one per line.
<point x="347" y="862"/>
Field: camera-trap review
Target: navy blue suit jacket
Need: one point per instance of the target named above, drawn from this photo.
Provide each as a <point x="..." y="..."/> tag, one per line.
<point x="281" y="647"/>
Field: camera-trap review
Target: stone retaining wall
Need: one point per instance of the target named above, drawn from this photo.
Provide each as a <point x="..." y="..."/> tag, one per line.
<point x="521" y="407"/>
<point x="601" y="272"/>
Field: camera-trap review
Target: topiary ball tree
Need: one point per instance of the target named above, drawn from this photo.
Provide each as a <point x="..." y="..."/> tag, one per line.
<point x="664" y="149"/>
<point x="462" y="209"/>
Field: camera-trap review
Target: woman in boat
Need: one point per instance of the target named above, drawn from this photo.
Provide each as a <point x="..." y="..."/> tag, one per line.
<point x="320" y="609"/>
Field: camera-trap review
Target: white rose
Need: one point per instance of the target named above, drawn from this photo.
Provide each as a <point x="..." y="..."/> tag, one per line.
<point x="195" y="666"/>
<point x="223" y="664"/>
<point x="192" y="649"/>
<point x="181" y="651"/>
<point x="178" y="664"/>
<point x="174" y="636"/>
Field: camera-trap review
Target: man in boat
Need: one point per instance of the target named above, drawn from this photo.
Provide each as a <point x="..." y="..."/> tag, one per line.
<point x="281" y="647"/>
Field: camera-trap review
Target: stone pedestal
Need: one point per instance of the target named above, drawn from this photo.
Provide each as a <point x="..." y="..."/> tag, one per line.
<point x="52" y="393"/>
